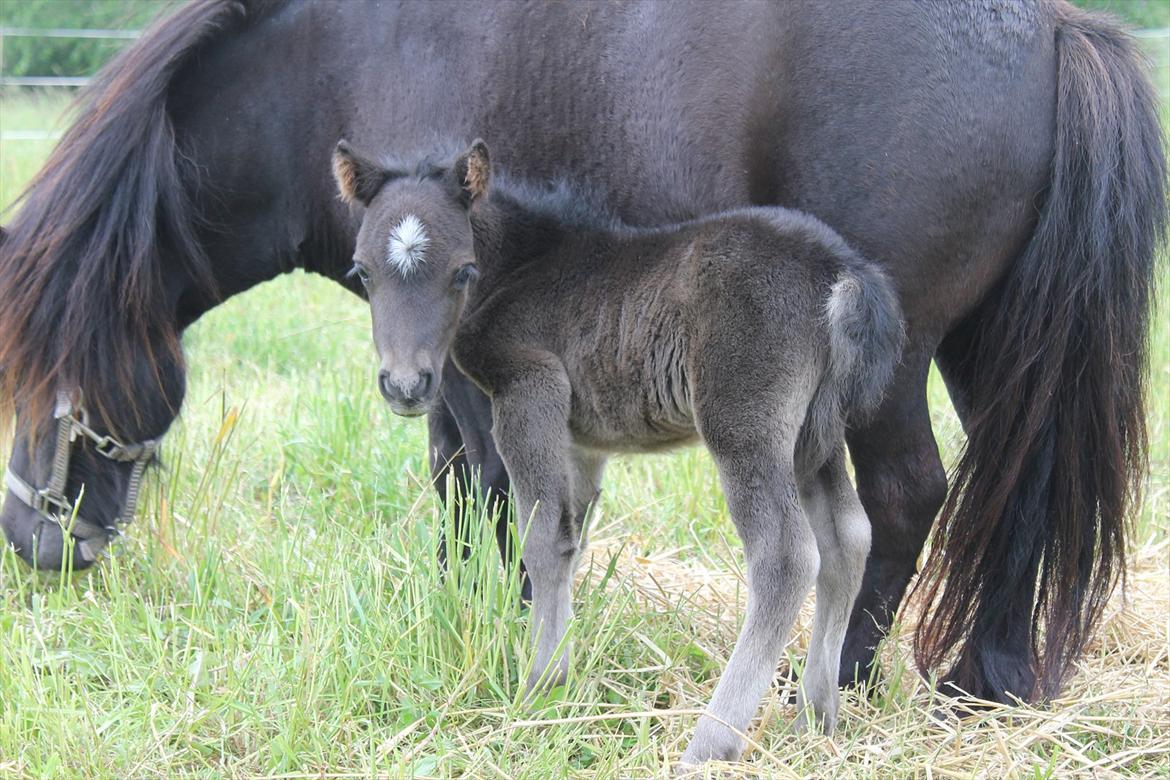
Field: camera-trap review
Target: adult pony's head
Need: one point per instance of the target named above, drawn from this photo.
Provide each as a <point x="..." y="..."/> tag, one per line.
<point x="95" y="268"/>
<point x="416" y="259"/>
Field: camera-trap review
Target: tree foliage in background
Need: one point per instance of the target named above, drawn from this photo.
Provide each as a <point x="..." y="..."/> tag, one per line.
<point x="1140" y="14"/>
<point x="73" y="57"/>
<point x="69" y="56"/>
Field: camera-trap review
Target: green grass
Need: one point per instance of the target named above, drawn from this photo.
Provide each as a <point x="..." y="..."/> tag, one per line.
<point x="39" y="112"/>
<point x="277" y="609"/>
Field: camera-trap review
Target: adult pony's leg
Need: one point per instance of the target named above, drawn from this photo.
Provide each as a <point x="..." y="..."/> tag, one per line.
<point x="902" y="485"/>
<point x="450" y="473"/>
<point x="466" y="418"/>
<point x="954" y="361"/>
<point x="1010" y="645"/>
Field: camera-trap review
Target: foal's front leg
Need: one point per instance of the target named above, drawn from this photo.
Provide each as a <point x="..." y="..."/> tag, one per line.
<point x="531" y="428"/>
<point x="461" y="442"/>
<point x="782" y="563"/>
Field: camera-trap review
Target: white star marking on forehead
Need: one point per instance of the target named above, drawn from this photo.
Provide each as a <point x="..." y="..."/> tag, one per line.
<point x="408" y="243"/>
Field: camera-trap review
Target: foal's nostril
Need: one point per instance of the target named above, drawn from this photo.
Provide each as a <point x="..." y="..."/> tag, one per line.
<point x="422" y="385"/>
<point x="420" y="390"/>
<point x="385" y="386"/>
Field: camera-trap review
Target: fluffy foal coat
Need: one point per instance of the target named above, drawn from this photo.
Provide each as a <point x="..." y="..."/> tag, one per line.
<point x="758" y="332"/>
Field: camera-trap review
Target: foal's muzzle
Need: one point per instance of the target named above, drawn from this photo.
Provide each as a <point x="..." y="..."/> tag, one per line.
<point x="410" y="396"/>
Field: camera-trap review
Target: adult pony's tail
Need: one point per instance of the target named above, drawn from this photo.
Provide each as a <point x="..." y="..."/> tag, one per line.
<point x="866" y="334"/>
<point x="1033" y="532"/>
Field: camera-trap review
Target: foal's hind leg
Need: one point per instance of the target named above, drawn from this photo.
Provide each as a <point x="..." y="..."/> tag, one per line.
<point x="782" y="562"/>
<point x="586" y="470"/>
<point x="842" y="532"/>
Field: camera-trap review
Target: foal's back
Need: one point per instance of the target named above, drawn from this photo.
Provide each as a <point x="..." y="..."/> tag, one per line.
<point x="652" y="324"/>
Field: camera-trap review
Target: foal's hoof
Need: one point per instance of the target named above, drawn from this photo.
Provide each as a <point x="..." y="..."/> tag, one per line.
<point x="818" y="712"/>
<point x="541" y="681"/>
<point x="810" y="722"/>
<point x="684" y="771"/>
<point x="713" y="742"/>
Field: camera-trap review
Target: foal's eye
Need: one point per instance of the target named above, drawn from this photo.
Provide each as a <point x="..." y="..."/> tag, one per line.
<point x="361" y="274"/>
<point x="465" y="276"/>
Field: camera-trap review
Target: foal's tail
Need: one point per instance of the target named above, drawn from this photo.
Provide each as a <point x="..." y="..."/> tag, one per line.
<point x="866" y="334"/>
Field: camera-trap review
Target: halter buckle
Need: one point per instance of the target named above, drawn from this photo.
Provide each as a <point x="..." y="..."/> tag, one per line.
<point x="49" y="503"/>
<point x="108" y="447"/>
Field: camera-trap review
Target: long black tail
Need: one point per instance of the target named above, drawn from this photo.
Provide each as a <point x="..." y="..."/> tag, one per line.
<point x="1033" y="532"/>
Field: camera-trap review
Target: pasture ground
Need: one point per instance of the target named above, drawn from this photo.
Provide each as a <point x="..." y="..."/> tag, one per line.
<point x="277" y="611"/>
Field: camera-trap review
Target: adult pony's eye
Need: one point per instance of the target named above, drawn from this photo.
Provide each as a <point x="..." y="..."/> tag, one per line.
<point x="465" y="276"/>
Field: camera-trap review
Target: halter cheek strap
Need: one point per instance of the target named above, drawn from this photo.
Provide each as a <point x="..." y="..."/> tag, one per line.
<point x="51" y="502"/>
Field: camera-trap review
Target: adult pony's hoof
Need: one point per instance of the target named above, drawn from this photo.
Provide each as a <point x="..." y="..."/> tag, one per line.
<point x="39" y="541"/>
<point x="1014" y="681"/>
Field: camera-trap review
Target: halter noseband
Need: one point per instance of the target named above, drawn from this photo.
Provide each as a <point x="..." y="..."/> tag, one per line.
<point x="51" y="502"/>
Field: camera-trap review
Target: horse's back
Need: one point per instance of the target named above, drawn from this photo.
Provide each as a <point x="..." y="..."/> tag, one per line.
<point x="921" y="131"/>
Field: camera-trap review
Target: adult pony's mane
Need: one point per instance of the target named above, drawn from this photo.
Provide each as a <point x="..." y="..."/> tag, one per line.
<point x="82" y="296"/>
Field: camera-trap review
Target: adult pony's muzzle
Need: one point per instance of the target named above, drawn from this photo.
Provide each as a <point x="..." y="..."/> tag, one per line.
<point x="410" y="396"/>
<point x="38" y="540"/>
<point x="41" y="516"/>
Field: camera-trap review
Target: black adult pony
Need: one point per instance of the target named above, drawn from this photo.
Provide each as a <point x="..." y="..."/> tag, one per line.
<point x="1002" y="160"/>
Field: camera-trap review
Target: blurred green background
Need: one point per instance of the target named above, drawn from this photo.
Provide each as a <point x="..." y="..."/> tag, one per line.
<point x="72" y="57"/>
<point x="69" y="56"/>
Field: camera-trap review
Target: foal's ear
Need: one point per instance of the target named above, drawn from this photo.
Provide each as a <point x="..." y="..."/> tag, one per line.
<point x="473" y="169"/>
<point x="358" y="177"/>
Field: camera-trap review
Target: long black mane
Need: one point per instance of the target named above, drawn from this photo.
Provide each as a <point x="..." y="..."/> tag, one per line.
<point x="105" y="233"/>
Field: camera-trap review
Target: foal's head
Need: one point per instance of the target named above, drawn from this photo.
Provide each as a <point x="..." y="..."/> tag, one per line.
<point x="416" y="259"/>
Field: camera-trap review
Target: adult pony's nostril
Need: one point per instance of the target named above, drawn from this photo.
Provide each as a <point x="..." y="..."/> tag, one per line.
<point x="385" y="386"/>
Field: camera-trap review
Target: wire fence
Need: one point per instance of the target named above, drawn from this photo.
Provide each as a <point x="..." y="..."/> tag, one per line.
<point x="55" y="81"/>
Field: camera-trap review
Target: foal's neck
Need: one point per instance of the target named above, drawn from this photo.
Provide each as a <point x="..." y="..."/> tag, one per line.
<point x="514" y="227"/>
